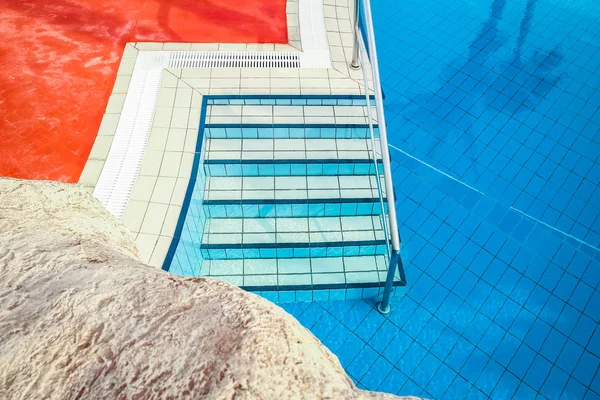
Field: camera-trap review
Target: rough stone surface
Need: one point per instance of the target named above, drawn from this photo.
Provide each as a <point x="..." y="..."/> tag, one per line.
<point x="81" y="316"/>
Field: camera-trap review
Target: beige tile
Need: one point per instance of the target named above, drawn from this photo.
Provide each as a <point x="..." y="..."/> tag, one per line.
<point x="254" y="111"/>
<point x="166" y="97"/>
<point x="343" y="84"/>
<point x="255" y="73"/>
<point x="177" y="46"/>
<point x="151" y="163"/>
<point x="314" y="83"/>
<point x="288" y="111"/>
<point x="168" y="80"/>
<point x="158" y="138"/>
<point x="175" y="71"/>
<point x="345" y="26"/>
<point x="285" y="83"/>
<point x="162" y="117"/>
<point x="171" y="220"/>
<point x="190" y="141"/>
<point x="205" y="46"/>
<point x="196" y="99"/>
<point x="142" y="191"/>
<point x="342" y="13"/>
<point x="221" y="90"/>
<point x="180" y="117"/>
<point x="230" y="119"/>
<point x="91" y="172"/>
<point x="257" y="119"/>
<point x="199" y="84"/>
<point x="224" y="83"/>
<point x="337" y="54"/>
<point x="232" y="47"/>
<point x="260" y="47"/>
<point x="179" y="191"/>
<point x="185" y="169"/>
<point x="163" y="190"/>
<point x="101" y="148"/>
<point x="285" y="73"/>
<point x="316" y="91"/>
<point x="115" y="103"/>
<point x="170" y="164"/>
<point x="183" y="98"/>
<point x="109" y="124"/>
<point x="161" y="249"/>
<point x="130" y="51"/>
<point x="286" y="90"/>
<point x="224" y="110"/>
<point x="252" y="83"/>
<point x="134" y="215"/>
<point x="195" y="73"/>
<point x="88" y="189"/>
<point x="289" y="119"/>
<point x="145" y="243"/>
<point x="126" y="66"/>
<point x="313" y="73"/>
<point x="194" y="118"/>
<point x="284" y="48"/>
<point x="331" y="24"/>
<point x="121" y="84"/>
<point x="176" y="139"/>
<point x="149" y="46"/>
<point x="347" y="39"/>
<point x="247" y="90"/>
<point x="329" y="11"/>
<point x="217" y="73"/>
<point x="154" y="218"/>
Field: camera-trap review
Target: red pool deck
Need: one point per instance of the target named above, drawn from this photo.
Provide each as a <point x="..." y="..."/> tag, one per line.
<point x="59" y="60"/>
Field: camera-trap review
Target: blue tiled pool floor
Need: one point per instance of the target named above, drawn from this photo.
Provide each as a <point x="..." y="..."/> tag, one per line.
<point x="502" y="94"/>
<point x="498" y="305"/>
<point x="493" y="116"/>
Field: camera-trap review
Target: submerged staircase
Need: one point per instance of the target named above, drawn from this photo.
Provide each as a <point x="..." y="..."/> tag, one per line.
<point x="287" y="196"/>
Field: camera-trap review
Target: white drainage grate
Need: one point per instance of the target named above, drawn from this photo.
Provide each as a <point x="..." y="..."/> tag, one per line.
<point x="124" y="160"/>
<point x="233" y="59"/>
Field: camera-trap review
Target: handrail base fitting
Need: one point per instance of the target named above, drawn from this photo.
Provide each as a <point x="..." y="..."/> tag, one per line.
<point x="383" y="311"/>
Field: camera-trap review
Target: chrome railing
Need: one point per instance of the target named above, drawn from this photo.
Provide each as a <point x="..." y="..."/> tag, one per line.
<point x="364" y="55"/>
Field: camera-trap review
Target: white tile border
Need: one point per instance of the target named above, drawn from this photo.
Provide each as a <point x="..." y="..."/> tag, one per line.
<point x="123" y="163"/>
<point x="312" y="33"/>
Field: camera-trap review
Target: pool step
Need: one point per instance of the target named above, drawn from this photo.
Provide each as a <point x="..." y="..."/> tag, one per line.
<point x="291" y="196"/>
<point x="287" y="197"/>
<point x="289" y="131"/>
<point x="300" y="273"/>
<point x="289" y="157"/>
<point x="288" y="114"/>
<point x="237" y="238"/>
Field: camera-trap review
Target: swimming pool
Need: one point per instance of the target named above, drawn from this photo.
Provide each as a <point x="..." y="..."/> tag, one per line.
<point x="492" y="110"/>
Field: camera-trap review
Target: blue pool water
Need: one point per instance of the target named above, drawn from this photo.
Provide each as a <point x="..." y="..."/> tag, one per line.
<point x="493" y="113"/>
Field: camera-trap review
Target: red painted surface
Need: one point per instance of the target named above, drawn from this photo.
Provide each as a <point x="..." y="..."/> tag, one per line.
<point x="59" y="60"/>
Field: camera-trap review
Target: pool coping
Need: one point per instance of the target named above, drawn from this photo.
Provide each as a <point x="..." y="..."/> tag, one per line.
<point x="153" y="234"/>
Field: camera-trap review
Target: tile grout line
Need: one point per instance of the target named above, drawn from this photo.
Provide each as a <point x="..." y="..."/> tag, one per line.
<point x="555" y="229"/>
<point x="435" y="169"/>
<point x="509" y="207"/>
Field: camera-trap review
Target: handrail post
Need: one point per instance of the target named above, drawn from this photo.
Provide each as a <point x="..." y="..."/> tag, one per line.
<point x="383" y="307"/>
<point x="355" y="64"/>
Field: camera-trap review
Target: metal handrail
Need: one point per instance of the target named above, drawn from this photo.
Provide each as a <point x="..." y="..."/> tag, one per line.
<point x="384" y="224"/>
<point x="383" y="307"/>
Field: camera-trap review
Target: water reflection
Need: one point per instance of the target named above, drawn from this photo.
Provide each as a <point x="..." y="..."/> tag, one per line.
<point x="489" y="78"/>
